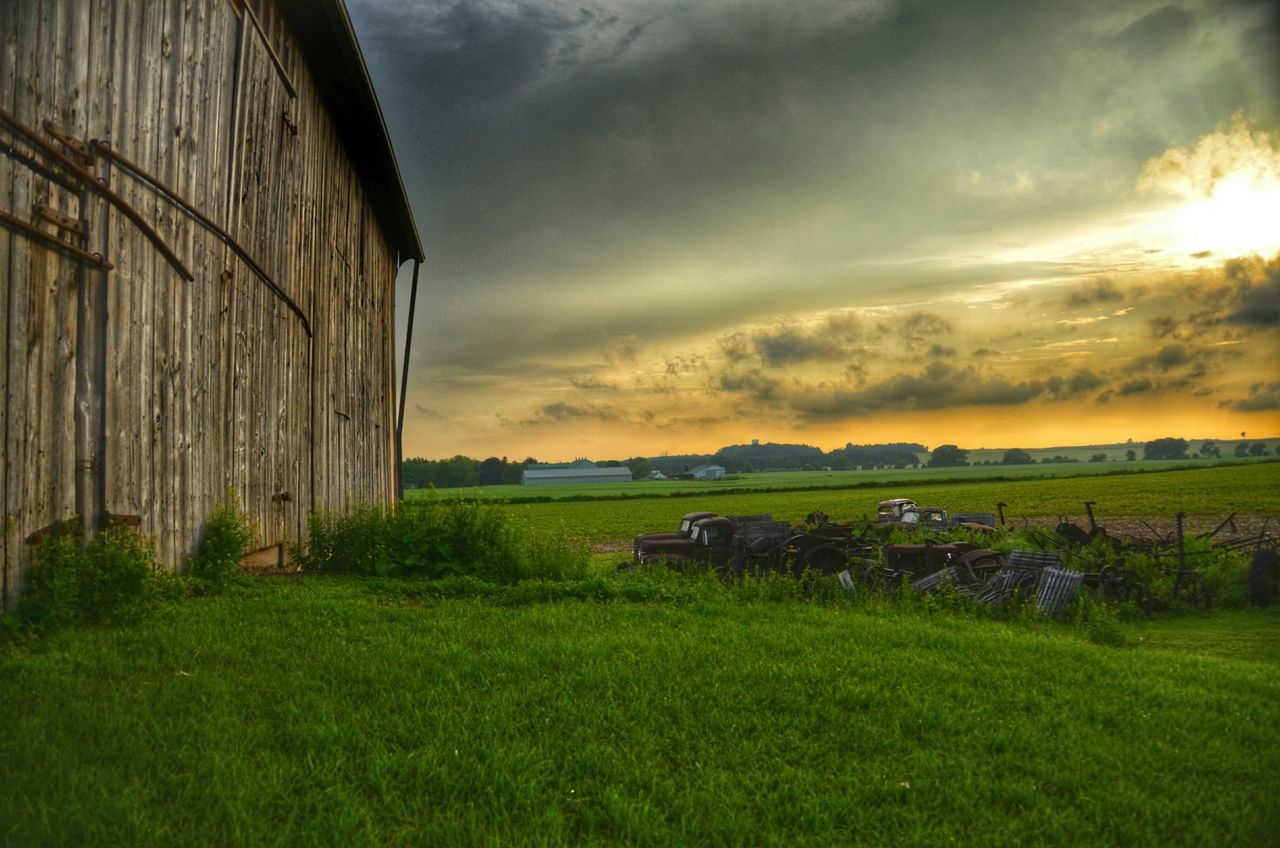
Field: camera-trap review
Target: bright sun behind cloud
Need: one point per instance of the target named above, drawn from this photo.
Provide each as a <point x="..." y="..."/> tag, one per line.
<point x="1242" y="215"/>
<point x="1229" y="188"/>
<point x="1217" y="200"/>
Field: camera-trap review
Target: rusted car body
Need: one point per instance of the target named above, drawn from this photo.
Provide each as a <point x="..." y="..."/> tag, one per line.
<point x="685" y="532"/>
<point x="708" y="542"/>
<point x="890" y="511"/>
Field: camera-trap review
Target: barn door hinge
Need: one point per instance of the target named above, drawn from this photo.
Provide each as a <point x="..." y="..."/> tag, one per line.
<point x="80" y="148"/>
<point x="50" y="240"/>
<point x="62" y="222"/>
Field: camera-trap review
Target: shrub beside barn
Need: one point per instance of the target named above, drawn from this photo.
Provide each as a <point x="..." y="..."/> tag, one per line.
<point x="201" y="221"/>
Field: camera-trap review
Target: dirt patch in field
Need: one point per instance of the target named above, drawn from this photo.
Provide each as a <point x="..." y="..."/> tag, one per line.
<point x="1249" y="526"/>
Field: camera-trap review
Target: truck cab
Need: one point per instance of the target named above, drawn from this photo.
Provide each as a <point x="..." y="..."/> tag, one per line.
<point x="890" y="511"/>
<point x="685" y="532"/>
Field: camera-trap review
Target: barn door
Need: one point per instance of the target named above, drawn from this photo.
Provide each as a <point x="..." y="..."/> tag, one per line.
<point x="268" y="351"/>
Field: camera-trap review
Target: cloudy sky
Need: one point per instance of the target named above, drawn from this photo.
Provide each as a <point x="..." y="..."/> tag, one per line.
<point x="671" y="225"/>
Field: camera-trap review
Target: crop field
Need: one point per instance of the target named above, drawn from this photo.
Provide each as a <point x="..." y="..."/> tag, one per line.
<point x="1205" y="493"/>
<point x="781" y="480"/>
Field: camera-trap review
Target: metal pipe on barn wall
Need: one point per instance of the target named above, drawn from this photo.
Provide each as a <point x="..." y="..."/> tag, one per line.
<point x="404" y="382"/>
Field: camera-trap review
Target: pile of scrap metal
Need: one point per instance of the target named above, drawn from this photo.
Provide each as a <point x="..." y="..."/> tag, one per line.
<point x="734" y="545"/>
<point x="906" y="514"/>
<point x="1035" y="576"/>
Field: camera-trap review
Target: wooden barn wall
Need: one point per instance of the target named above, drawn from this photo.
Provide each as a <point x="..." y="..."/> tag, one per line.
<point x="158" y="392"/>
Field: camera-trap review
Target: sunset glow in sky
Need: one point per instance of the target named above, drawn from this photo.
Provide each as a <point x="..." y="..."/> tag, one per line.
<point x="666" y="226"/>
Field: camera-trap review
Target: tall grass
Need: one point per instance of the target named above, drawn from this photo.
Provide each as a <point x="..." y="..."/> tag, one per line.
<point x="437" y="538"/>
<point x="106" y="581"/>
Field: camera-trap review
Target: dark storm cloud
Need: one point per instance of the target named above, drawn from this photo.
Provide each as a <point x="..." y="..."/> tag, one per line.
<point x="938" y="386"/>
<point x="675" y="366"/>
<point x="1074" y="385"/>
<point x="1135" y="387"/>
<point x="1242" y="296"/>
<point x="1263" y="397"/>
<point x="834" y="339"/>
<point x="1256" y="288"/>
<point x="1167" y="358"/>
<point x="920" y="328"/>
<point x="561" y="413"/>
<point x="755" y="384"/>
<point x="1093" y="293"/>
<point x="593" y="384"/>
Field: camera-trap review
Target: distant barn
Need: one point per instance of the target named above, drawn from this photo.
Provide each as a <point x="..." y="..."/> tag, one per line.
<point x="548" y="476"/>
<point x="201" y="221"/>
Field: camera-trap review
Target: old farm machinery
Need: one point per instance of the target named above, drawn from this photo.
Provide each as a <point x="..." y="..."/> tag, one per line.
<point x="931" y="552"/>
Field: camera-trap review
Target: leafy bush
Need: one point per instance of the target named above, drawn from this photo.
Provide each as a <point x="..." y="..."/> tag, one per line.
<point x="226" y="539"/>
<point x="114" y="581"/>
<point x="106" y="581"/>
<point x="338" y="543"/>
<point x="52" y="599"/>
<point x="435" y="539"/>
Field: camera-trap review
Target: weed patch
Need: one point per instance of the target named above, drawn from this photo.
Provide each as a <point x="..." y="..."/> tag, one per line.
<point x="437" y="539"/>
<point x="226" y="538"/>
<point x="107" y="581"/>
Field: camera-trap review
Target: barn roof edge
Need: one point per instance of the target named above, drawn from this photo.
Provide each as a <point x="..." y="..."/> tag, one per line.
<point x="328" y="41"/>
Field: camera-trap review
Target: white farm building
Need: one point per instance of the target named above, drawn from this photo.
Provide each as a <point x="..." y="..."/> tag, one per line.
<point x="548" y="476"/>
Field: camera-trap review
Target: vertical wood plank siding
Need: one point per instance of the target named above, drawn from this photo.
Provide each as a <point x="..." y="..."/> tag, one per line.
<point x="162" y="393"/>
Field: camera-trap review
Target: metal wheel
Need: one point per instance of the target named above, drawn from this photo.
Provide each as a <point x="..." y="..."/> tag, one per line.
<point x="827" y="559"/>
<point x="1264" y="578"/>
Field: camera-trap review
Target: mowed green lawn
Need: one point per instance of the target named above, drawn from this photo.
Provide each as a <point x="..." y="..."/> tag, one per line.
<point x="331" y="711"/>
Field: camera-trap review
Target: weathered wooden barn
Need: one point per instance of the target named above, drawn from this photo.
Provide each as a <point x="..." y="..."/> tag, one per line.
<point x="201" y="221"/>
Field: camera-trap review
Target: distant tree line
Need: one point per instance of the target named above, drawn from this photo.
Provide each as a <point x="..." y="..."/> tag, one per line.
<point x="736" y="459"/>
<point x="463" y="471"/>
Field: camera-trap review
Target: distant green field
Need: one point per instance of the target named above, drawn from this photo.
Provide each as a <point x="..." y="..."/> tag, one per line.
<point x="774" y="480"/>
<point x="1249" y="489"/>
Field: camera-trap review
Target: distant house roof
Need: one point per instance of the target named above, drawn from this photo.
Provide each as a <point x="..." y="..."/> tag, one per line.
<point x="584" y="475"/>
<point x="577" y="463"/>
<point x="325" y="35"/>
<point x="702" y="468"/>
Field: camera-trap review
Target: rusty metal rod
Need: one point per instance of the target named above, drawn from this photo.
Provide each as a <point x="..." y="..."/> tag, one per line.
<point x="61" y="180"/>
<point x="271" y="51"/>
<point x="37" y="234"/>
<point x="103" y="148"/>
<point x="31" y="138"/>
